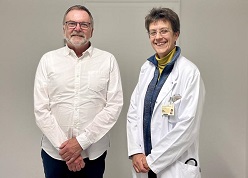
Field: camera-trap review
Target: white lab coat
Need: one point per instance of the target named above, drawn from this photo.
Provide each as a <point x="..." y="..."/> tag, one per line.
<point x="174" y="138"/>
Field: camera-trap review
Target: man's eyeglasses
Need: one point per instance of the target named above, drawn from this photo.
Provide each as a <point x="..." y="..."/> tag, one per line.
<point x="72" y="24"/>
<point x="162" y="32"/>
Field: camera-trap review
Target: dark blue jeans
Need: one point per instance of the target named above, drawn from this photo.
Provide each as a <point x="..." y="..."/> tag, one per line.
<point x="54" y="168"/>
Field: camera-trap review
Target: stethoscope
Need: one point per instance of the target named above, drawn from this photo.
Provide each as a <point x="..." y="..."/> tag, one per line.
<point x="191" y="159"/>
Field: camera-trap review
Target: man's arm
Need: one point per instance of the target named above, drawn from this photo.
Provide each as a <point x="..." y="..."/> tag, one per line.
<point x="44" y="118"/>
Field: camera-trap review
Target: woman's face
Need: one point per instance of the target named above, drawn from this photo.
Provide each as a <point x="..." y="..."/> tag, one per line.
<point x="162" y="37"/>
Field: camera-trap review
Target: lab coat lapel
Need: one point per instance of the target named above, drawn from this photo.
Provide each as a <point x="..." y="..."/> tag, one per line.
<point x="168" y="86"/>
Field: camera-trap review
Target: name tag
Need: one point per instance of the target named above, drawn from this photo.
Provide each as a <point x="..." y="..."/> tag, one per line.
<point x="168" y="110"/>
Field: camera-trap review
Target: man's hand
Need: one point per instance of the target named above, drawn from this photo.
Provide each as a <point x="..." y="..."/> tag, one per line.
<point x="77" y="165"/>
<point x="139" y="163"/>
<point x="70" y="150"/>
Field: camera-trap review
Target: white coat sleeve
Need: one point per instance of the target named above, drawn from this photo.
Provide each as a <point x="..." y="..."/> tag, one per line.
<point x="133" y="133"/>
<point x="43" y="115"/>
<point x="186" y="131"/>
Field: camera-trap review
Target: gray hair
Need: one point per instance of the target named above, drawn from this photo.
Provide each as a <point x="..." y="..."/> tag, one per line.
<point x="79" y="7"/>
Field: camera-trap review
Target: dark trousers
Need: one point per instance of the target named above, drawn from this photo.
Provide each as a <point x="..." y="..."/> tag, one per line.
<point x="54" y="168"/>
<point x="151" y="174"/>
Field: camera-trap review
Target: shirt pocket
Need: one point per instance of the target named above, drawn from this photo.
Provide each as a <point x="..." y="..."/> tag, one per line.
<point x="97" y="81"/>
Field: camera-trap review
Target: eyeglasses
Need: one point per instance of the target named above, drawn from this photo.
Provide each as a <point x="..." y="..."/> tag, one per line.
<point x="162" y="32"/>
<point x="72" y="24"/>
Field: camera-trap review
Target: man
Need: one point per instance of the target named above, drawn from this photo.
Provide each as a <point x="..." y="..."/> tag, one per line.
<point x="163" y="120"/>
<point x="77" y="100"/>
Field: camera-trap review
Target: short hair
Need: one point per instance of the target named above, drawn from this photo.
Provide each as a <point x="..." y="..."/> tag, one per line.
<point x="164" y="14"/>
<point x="79" y="7"/>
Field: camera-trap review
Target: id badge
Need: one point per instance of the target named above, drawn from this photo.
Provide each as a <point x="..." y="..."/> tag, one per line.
<point x="168" y="110"/>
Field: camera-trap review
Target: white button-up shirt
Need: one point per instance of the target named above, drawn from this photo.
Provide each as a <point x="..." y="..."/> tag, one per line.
<point x="77" y="97"/>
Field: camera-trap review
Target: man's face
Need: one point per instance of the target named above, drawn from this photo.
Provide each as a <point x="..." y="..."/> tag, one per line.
<point x="162" y="37"/>
<point x="80" y="34"/>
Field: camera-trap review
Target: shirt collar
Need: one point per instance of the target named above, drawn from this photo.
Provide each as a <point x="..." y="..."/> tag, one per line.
<point x="68" y="51"/>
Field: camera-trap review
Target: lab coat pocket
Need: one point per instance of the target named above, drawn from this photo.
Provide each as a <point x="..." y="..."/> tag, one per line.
<point x="174" y="119"/>
<point x="97" y="81"/>
<point x="187" y="171"/>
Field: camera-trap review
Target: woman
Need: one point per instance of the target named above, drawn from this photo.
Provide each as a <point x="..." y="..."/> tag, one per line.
<point x="163" y="119"/>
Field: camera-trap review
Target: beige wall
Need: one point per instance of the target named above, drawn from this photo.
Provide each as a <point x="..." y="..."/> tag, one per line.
<point x="214" y="34"/>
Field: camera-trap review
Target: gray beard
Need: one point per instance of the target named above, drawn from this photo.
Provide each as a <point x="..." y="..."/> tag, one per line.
<point x="77" y="44"/>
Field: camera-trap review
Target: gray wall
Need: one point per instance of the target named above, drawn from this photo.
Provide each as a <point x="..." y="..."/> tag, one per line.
<point x="214" y="34"/>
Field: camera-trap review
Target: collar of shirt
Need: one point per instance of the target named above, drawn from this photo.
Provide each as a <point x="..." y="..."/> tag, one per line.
<point x="69" y="51"/>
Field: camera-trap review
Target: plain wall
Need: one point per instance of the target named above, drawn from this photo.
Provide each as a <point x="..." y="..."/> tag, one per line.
<point x="214" y="34"/>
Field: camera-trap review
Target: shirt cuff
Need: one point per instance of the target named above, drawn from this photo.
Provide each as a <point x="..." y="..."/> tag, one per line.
<point x="83" y="141"/>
